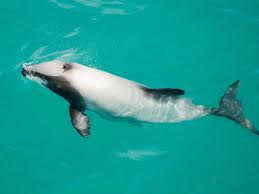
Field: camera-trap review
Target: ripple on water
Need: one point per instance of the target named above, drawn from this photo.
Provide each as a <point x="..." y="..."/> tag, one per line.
<point x="103" y="7"/>
<point x="240" y="14"/>
<point x="87" y="56"/>
<point x="73" y="33"/>
<point x="138" y="155"/>
<point x="62" y="5"/>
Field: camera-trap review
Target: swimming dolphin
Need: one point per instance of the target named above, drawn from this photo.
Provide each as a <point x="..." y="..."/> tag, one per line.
<point x="87" y="88"/>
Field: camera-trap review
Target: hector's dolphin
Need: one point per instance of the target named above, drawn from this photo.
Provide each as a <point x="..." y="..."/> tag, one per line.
<point x="87" y="88"/>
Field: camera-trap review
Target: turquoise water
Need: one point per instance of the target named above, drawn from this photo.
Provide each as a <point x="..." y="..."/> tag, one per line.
<point x="201" y="47"/>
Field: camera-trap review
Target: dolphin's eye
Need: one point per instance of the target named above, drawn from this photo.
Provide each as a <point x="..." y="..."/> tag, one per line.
<point x="66" y="66"/>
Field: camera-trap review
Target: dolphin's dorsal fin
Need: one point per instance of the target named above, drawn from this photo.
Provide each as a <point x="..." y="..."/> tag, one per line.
<point x="80" y="121"/>
<point x="163" y="92"/>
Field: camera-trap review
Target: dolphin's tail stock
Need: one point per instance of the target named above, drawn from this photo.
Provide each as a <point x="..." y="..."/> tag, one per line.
<point x="231" y="108"/>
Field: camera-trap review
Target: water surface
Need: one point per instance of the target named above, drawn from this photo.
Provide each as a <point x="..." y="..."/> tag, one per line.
<point x="200" y="47"/>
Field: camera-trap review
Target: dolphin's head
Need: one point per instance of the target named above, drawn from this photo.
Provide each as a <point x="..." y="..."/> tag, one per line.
<point x="55" y="75"/>
<point x="46" y="70"/>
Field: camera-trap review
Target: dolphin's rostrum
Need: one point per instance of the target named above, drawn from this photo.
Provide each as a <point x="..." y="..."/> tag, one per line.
<point x="87" y="88"/>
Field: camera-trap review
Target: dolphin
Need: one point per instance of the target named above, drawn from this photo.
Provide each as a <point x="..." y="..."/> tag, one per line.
<point x="89" y="89"/>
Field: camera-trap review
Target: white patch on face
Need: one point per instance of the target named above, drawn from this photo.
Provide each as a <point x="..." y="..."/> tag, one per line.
<point x="37" y="80"/>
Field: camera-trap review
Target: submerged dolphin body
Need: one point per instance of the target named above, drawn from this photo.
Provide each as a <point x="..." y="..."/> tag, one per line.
<point x="87" y="88"/>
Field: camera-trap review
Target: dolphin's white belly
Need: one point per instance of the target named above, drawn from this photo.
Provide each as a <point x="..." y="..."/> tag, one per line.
<point x="123" y="98"/>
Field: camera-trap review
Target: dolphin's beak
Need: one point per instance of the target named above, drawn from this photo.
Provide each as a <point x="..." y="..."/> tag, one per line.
<point x="28" y="71"/>
<point x="24" y="71"/>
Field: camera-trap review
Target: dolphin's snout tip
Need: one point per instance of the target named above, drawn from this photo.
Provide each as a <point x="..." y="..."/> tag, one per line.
<point x="24" y="71"/>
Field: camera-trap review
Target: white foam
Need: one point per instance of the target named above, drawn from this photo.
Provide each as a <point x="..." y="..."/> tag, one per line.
<point x="114" y="3"/>
<point x="112" y="7"/>
<point x="73" y="54"/>
<point x="58" y="53"/>
<point x="114" y="11"/>
<point x="90" y="3"/>
<point x="98" y="3"/>
<point x="62" y="5"/>
<point x="137" y="155"/>
<point x="25" y="46"/>
<point x="240" y="14"/>
<point x="36" y="54"/>
<point x="23" y="64"/>
<point x="73" y="33"/>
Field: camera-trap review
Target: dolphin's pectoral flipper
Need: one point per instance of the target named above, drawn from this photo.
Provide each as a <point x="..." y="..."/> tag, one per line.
<point x="80" y="121"/>
<point x="163" y="93"/>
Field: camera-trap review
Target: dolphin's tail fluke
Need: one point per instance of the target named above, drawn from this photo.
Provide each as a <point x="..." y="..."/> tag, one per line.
<point x="231" y="108"/>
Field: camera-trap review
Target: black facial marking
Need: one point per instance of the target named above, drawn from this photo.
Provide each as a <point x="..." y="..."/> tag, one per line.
<point x="24" y="72"/>
<point x="61" y="86"/>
